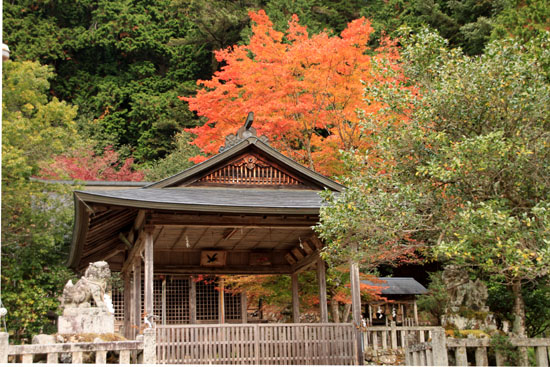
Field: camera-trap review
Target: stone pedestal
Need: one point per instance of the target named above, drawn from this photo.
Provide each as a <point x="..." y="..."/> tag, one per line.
<point x="85" y="320"/>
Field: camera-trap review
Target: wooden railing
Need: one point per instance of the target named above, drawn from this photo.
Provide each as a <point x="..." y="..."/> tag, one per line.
<point x="26" y="353"/>
<point x="437" y="350"/>
<point x="303" y="344"/>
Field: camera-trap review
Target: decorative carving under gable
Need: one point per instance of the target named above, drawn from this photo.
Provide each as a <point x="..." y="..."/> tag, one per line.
<point x="250" y="170"/>
<point x="250" y="162"/>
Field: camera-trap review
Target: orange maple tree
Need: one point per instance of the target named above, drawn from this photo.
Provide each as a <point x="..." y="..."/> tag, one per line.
<point x="304" y="90"/>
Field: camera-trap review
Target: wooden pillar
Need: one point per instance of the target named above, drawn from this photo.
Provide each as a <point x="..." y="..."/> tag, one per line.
<point x="136" y="295"/>
<point x="127" y="296"/>
<point x="244" y="308"/>
<point x="148" y="272"/>
<point x="221" y="302"/>
<point x="295" y="299"/>
<point x="356" y="304"/>
<point x="415" y="313"/>
<point x="322" y="279"/>
<point x="370" y="315"/>
<point x="163" y="317"/>
<point x="192" y="301"/>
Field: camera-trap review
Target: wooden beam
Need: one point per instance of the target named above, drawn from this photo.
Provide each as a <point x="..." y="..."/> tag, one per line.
<point x="137" y="226"/>
<point x="136" y="295"/>
<point x="125" y="241"/>
<point x="148" y="272"/>
<point x="180" y="236"/>
<point x="322" y="279"/>
<point x="305" y="262"/>
<point x="295" y="299"/>
<point x="316" y="242"/>
<point x="136" y="251"/>
<point x="290" y="259"/>
<point x="307" y="247"/>
<point x="192" y="301"/>
<point x="232" y="220"/>
<point x="237" y="226"/>
<point x="297" y="253"/>
<point x="226" y="270"/>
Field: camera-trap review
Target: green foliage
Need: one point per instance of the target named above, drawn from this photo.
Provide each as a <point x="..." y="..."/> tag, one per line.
<point x="467" y="169"/>
<point x="501" y="344"/>
<point x="524" y="19"/>
<point x="434" y="303"/>
<point x="176" y="161"/>
<point x="36" y="220"/>
<point x="114" y="59"/>
<point x="537" y="298"/>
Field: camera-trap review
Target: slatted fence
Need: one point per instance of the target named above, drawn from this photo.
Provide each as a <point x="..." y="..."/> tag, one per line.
<point x="290" y="344"/>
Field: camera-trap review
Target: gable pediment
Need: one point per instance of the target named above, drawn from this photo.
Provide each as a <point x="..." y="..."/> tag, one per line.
<point x="250" y="163"/>
<point x="250" y="169"/>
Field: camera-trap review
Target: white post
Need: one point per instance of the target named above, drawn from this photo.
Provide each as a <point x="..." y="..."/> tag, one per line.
<point x="149" y="346"/>
<point x="4" y="345"/>
<point x="439" y="348"/>
<point x="148" y="272"/>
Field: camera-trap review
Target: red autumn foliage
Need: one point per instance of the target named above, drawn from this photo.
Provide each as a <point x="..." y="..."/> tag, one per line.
<point x="85" y="165"/>
<point x="304" y="90"/>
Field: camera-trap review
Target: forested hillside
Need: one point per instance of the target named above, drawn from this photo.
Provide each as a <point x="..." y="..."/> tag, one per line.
<point x="123" y="63"/>
<point x="118" y="89"/>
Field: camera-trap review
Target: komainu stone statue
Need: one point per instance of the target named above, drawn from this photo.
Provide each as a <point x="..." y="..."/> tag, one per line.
<point x="79" y="316"/>
<point x="91" y="286"/>
<point x="467" y="308"/>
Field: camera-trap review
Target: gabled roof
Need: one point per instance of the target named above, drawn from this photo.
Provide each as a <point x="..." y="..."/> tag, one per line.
<point x="398" y="286"/>
<point x="184" y="177"/>
<point x="215" y="199"/>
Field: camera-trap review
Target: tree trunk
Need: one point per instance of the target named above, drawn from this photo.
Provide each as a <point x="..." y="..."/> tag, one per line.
<point x="519" y="321"/>
<point x="347" y="310"/>
<point x="334" y="309"/>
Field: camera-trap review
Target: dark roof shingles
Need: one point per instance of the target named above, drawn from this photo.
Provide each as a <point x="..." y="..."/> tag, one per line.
<point x="220" y="197"/>
<point x="398" y="286"/>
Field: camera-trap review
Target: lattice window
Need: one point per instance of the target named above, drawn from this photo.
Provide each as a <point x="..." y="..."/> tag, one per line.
<point x="250" y="170"/>
<point x="207" y="302"/>
<point x="157" y="299"/>
<point x="177" y="301"/>
<point x="232" y="303"/>
<point x="117" y="297"/>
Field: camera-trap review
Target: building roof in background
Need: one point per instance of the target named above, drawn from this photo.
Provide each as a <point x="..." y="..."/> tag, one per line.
<point x="398" y="286"/>
<point x="94" y="183"/>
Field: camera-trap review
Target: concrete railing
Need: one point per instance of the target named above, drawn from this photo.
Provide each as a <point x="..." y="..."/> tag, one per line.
<point x="394" y="337"/>
<point x="26" y="353"/>
<point x="436" y="351"/>
<point x="431" y="352"/>
<point x="458" y="347"/>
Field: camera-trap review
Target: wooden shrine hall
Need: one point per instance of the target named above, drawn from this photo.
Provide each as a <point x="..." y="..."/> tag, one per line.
<point x="247" y="210"/>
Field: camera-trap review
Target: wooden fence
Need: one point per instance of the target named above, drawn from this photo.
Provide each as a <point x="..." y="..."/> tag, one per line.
<point x="26" y="353"/>
<point x="438" y="349"/>
<point x="290" y="344"/>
